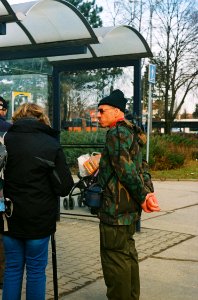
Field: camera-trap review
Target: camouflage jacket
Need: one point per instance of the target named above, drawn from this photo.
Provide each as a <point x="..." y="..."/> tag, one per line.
<point x="119" y="166"/>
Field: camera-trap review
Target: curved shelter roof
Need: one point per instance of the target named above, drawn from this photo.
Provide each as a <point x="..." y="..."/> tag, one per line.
<point x="121" y="43"/>
<point x="57" y="30"/>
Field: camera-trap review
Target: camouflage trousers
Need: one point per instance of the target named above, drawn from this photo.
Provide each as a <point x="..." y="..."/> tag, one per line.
<point x="119" y="262"/>
<point x="2" y="260"/>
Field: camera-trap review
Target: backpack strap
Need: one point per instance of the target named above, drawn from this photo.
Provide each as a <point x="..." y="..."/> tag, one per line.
<point x="3" y="156"/>
<point x="8" y="203"/>
<point x="133" y="131"/>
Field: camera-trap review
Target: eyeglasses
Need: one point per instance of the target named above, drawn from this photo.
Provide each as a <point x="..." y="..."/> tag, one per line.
<point x="101" y="110"/>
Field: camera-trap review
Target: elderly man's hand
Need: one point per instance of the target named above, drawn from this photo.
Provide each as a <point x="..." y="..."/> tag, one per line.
<point x="150" y="204"/>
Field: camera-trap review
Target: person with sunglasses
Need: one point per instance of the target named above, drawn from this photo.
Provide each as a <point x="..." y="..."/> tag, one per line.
<point x="124" y="196"/>
<point x="4" y="126"/>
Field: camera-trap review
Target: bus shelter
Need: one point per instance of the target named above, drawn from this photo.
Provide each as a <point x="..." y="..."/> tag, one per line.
<point x="58" y="32"/>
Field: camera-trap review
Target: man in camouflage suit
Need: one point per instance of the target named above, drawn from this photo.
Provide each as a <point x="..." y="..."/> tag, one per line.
<point x="124" y="197"/>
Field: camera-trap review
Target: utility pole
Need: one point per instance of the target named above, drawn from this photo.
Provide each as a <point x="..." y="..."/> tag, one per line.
<point x="151" y="79"/>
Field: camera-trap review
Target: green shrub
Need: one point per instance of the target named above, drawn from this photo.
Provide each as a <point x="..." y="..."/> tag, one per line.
<point x="165" y="151"/>
<point x="69" y="138"/>
<point x="83" y="137"/>
<point x="194" y="154"/>
<point x="156" y="151"/>
<point x="168" y="161"/>
<point x="181" y="139"/>
<point x="175" y="160"/>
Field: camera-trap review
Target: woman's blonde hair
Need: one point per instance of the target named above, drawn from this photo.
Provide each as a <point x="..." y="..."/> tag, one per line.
<point x="31" y="110"/>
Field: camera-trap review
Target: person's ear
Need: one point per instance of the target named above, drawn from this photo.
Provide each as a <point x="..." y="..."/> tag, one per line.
<point x="117" y="111"/>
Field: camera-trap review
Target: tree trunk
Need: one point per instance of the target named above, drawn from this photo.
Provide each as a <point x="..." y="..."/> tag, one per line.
<point x="168" y="126"/>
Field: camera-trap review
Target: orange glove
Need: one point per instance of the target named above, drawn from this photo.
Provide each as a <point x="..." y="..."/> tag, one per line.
<point x="145" y="208"/>
<point x="150" y="204"/>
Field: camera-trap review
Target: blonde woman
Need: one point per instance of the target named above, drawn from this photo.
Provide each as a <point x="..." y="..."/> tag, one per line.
<point x="36" y="173"/>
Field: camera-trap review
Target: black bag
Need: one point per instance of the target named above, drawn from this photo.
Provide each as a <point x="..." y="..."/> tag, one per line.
<point x="94" y="192"/>
<point x="93" y="196"/>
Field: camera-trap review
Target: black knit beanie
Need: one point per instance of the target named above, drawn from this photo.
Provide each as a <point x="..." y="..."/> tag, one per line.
<point x="115" y="99"/>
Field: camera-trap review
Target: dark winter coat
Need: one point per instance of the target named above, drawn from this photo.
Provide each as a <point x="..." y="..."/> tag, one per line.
<point x="36" y="174"/>
<point x="4" y="125"/>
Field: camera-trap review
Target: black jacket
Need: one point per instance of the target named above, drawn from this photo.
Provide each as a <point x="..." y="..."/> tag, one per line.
<point x="4" y="125"/>
<point x="36" y="174"/>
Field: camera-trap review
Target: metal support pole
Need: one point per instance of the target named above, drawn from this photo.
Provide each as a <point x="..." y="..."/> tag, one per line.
<point x="149" y="120"/>
<point x="56" y="99"/>
<point x="56" y="114"/>
<point x="54" y="266"/>
<point x="137" y="109"/>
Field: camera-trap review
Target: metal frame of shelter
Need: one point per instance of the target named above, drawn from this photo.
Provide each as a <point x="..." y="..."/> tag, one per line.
<point x="57" y="69"/>
<point x="55" y="29"/>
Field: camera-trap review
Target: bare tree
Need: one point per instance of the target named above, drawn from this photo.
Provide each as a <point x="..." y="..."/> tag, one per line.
<point x="79" y="90"/>
<point x="128" y="12"/>
<point x="177" y="40"/>
<point x="74" y="91"/>
<point x="171" y="29"/>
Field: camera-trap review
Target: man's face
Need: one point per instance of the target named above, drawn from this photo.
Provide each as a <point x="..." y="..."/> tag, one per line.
<point x="3" y="111"/>
<point x="106" y="115"/>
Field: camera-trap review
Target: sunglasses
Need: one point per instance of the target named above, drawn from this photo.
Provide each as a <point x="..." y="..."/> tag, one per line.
<point x="101" y="111"/>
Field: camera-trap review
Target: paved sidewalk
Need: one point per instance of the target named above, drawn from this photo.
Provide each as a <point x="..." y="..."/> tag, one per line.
<point x="78" y="252"/>
<point x="167" y="247"/>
